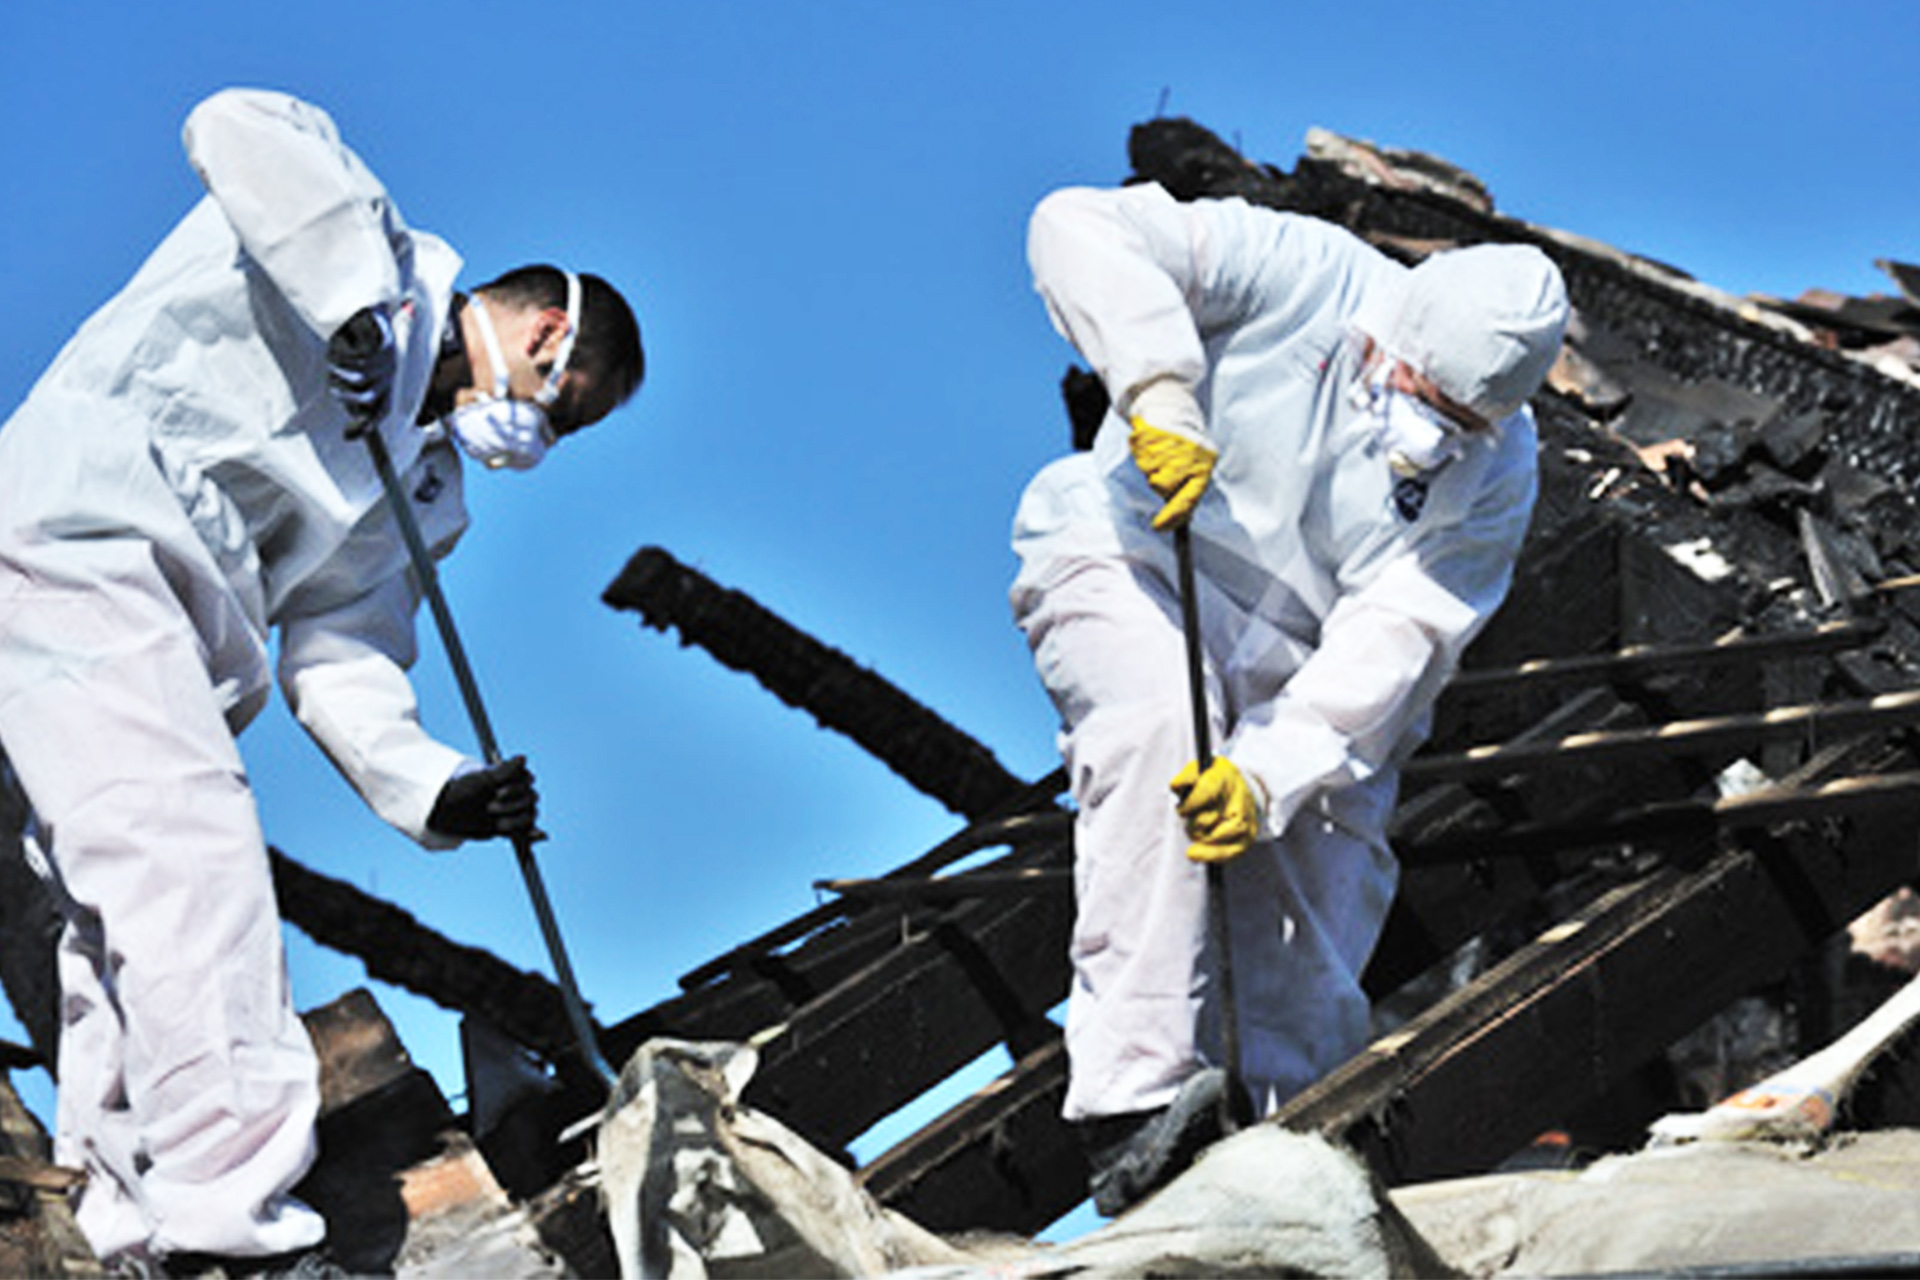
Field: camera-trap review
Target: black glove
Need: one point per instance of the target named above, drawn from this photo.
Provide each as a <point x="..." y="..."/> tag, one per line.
<point x="495" y="801"/>
<point x="361" y="363"/>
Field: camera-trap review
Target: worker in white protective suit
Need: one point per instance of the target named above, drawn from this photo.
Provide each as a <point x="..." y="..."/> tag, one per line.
<point x="185" y="476"/>
<point x="1348" y="442"/>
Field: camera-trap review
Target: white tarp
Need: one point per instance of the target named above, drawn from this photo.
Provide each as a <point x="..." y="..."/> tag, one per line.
<point x="697" y="1185"/>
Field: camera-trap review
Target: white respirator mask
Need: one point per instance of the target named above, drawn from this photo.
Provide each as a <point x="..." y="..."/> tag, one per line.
<point x="1417" y="437"/>
<point x="497" y="431"/>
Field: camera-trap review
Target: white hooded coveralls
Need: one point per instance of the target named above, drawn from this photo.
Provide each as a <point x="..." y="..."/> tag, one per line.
<point x="1330" y="621"/>
<point x="175" y="484"/>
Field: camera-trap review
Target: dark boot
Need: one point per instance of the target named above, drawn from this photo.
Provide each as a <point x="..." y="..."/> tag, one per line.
<point x="300" y="1264"/>
<point x="1133" y="1155"/>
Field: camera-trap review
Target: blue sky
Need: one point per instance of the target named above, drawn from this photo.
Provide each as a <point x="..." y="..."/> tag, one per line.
<point x="818" y="211"/>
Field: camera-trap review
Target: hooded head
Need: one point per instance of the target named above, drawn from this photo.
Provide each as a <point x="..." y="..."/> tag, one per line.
<point x="1482" y="323"/>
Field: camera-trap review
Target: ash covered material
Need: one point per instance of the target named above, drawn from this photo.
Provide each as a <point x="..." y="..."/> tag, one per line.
<point x="1737" y="1208"/>
<point x="697" y="1184"/>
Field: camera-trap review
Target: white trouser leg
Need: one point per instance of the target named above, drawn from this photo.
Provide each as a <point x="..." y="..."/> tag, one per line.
<point x="1304" y="911"/>
<point x="188" y="1086"/>
<point x="1112" y="656"/>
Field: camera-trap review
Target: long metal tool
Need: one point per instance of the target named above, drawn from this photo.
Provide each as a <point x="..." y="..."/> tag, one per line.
<point x="1216" y="874"/>
<point x="490" y="749"/>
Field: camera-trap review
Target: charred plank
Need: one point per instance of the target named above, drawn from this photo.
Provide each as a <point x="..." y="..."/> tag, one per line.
<point x="1560" y="1022"/>
<point x="838" y="692"/>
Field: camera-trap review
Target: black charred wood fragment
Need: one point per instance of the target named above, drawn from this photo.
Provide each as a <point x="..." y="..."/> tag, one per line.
<point x="1760" y="488"/>
<point x="1087" y="404"/>
<point x="1719" y="450"/>
<point x="1003" y="1156"/>
<point x="1191" y="161"/>
<point x="30" y="926"/>
<point x="1905" y="275"/>
<point x="1851" y="494"/>
<point x="840" y="694"/>
<point x="397" y="948"/>
<point x="1792" y="441"/>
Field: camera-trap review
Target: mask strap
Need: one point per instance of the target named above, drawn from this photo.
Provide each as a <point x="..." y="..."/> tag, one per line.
<point x="550" y="390"/>
<point x="496" y="358"/>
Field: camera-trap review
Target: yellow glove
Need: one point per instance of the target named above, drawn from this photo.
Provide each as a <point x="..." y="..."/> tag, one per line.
<point x="1177" y="469"/>
<point x="1221" y="810"/>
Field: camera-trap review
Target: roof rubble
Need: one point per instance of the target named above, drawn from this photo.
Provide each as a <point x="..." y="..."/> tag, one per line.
<point x="1676" y="774"/>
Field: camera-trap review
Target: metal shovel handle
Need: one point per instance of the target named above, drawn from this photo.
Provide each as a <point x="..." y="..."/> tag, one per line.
<point x="1216" y="874"/>
<point x="423" y="569"/>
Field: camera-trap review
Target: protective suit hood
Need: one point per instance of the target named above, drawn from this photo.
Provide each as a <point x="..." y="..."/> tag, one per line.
<point x="1484" y="323"/>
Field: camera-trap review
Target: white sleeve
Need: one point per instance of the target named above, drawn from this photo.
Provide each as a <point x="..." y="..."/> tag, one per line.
<point x="344" y="674"/>
<point x="1116" y="270"/>
<point x="1387" y="649"/>
<point x="305" y="208"/>
<point x="1139" y="282"/>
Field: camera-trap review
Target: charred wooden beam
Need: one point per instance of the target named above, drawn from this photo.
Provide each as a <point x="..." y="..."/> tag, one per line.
<point x="379" y="1115"/>
<point x="1636" y="662"/>
<point x="1686" y="821"/>
<point x="1558" y="1023"/>
<point x="397" y="948"/>
<point x="985" y="975"/>
<point x="752" y="988"/>
<point x="1716" y="734"/>
<point x="39" y="1175"/>
<point x="1677" y="822"/>
<point x="838" y="692"/>
<point x="1004" y="1156"/>
<point x="986" y="883"/>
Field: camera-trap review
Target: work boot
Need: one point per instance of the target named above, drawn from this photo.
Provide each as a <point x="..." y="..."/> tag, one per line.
<point x="1133" y="1155"/>
<point x="299" y="1264"/>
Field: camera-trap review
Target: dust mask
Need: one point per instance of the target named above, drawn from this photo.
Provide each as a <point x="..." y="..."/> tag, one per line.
<point x="498" y="431"/>
<point x="1416" y="437"/>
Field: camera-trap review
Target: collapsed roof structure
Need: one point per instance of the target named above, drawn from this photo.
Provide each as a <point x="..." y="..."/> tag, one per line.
<point x="1676" y="766"/>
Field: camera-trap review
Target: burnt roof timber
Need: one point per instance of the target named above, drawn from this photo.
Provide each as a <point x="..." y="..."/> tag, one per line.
<point x="397" y="948"/>
<point x="1560" y="1022"/>
<point x="938" y="985"/>
<point x="1638" y="661"/>
<point x="842" y="695"/>
<point x="1719" y="734"/>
